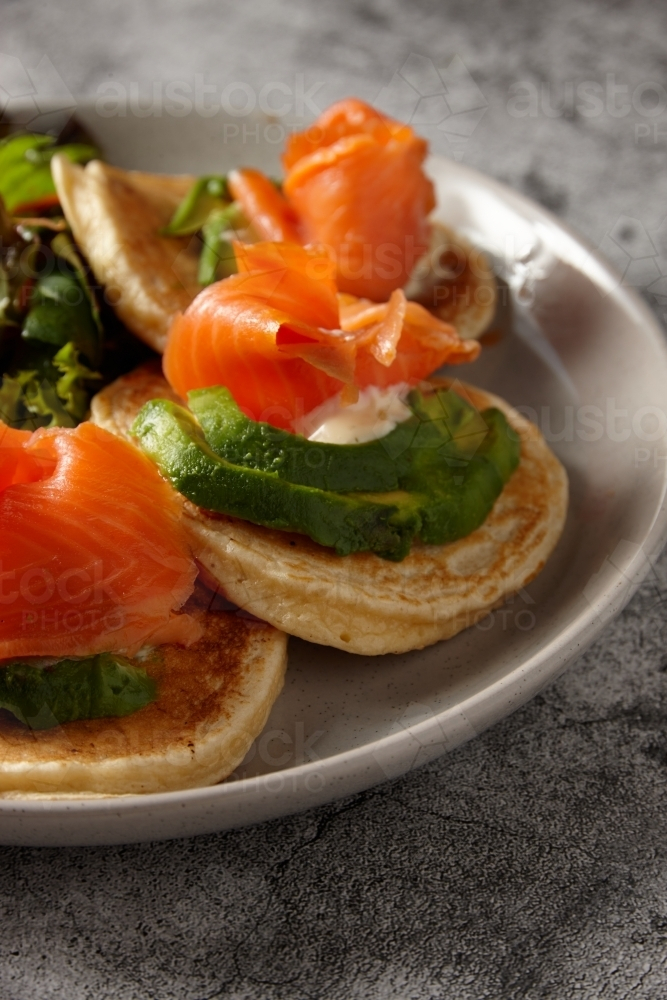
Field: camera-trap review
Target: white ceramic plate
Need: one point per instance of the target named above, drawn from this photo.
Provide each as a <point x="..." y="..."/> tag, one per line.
<point x="579" y="353"/>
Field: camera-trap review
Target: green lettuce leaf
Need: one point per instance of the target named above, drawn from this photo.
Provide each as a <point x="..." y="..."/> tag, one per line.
<point x="17" y="263"/>
<point x="63" y="247"/>
<point x="60" y="312"/>
<point x="206" y="195"/>
<point x="12" y="409"/>
<point x="217" y="258"/>
<point x="25" y="166"/>
<point x="71" y="386"/>
<point x="56" y="396"/>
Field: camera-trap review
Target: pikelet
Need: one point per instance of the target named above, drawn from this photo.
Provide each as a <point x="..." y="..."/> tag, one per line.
<point x="361" y="603"/>
<point x="214" y="698"/>
<point x="116" y="217"/>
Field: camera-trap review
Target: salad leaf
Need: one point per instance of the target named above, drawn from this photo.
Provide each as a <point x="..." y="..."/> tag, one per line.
<point x="16" y="264"/>
<point x="63" y="246"/>
<point x="93" y="687"/>
<point x="60" y="312"/>
<point x="14" y="147"/>
<point x="41" y="400"/>
<point x="25" y="167"/>
<point x="51" y="335"/>
<point x="46" y="382"/>
<point x="205" y="195"/>
<point x="9" y="315"/>
<point x="28" y="402"/>
<point x="53" y="395"/>
<point x="12" y="410"/>
<point x="71" y="387"/>
<point x="207" y="208"/>
<point x="217" y="258"/>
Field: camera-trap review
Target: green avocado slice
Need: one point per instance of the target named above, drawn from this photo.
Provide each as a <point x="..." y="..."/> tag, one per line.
<point x="170" y="435"/>
<point x="92" y="687"/>
<point x="434" y="477"/>
<point x="377" y="465"/>
<point x="442" y="421"/>
<point x="454" y="490"/>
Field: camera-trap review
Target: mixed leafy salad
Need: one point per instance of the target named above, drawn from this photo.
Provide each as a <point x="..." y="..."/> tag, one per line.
<point x="54" y="352"/>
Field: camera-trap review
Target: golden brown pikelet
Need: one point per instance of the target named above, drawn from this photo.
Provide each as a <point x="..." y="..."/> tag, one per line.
<point x="456" y="282"/>
<point x="361" y="603"/>
<point x="213" y="700"/>
<point x="116" y="216"/>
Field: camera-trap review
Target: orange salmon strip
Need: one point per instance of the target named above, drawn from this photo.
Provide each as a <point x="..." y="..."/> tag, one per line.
<point x="356" y="184"/>
<point x="262" y="203"/>
<point x="92" y="557"/>
<point x="17" y="465"/>
<point x="283" y="341"/>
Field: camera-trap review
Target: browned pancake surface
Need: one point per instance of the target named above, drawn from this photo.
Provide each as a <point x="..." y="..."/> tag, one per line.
<point x="221" y="687"/>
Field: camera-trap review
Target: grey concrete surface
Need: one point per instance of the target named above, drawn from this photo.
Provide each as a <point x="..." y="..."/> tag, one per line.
<point x="530" y="863"/>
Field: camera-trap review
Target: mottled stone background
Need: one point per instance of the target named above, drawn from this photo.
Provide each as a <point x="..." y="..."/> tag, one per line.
<point x="531" y="862"/>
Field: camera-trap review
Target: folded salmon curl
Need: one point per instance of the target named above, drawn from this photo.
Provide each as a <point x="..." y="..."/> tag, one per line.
<point x="282" y="339"/>
<point x="356" y="183"/>
<point x="92" y="554"/>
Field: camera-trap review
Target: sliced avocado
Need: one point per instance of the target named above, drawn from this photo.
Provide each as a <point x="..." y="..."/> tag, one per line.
<point x="455" y="489"/>
<point x="436" y="476"/>
<point x="171" y="436"/>
<point x="443" y="422"/>
<point x="335" y="467"/>
<point x="92" y="687"/>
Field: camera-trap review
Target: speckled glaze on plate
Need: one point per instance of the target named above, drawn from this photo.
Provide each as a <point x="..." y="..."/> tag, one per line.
<point x="575" y="351"/>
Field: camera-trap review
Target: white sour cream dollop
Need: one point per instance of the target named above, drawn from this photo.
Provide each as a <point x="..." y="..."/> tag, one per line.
<point x="376" y="413"/>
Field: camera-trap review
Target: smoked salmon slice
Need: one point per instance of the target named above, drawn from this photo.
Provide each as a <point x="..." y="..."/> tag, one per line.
<point x="17" y="464"/>
<point x="282" y="340"/>
<point x="356" y="183"/>
<point x="271" y="216"/>
<point x="92" y="557"/>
